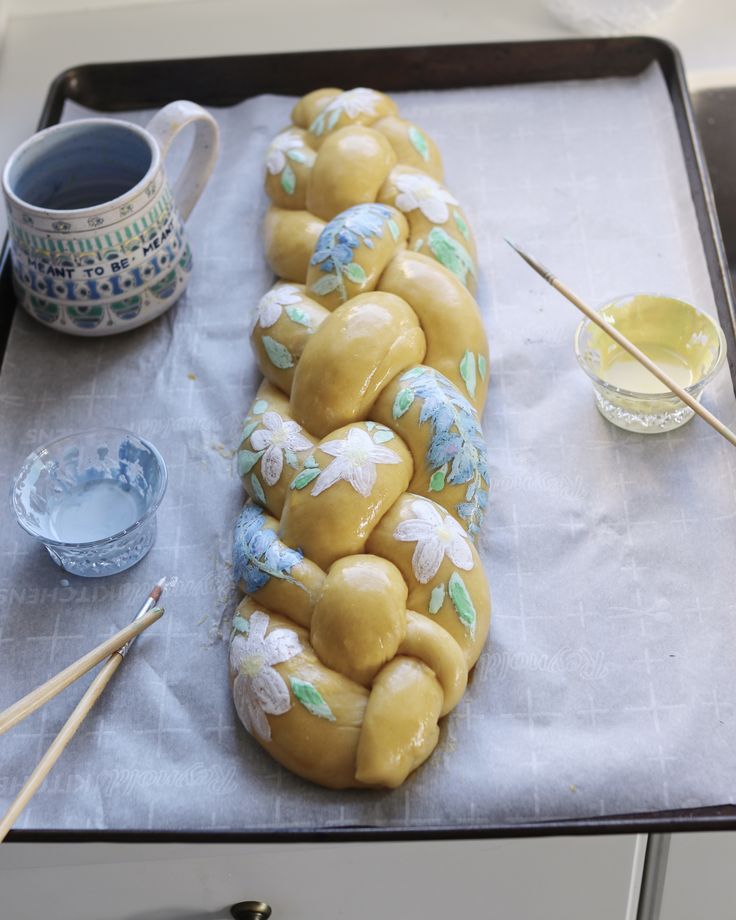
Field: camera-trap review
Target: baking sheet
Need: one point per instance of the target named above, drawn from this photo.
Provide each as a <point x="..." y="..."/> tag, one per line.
<point x="607" y="684"/>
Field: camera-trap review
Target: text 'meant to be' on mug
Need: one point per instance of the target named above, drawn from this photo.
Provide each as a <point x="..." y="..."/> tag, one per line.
<point x="96" y="234"/>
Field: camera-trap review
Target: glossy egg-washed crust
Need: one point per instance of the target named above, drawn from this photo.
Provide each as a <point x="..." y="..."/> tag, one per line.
<point x="363" y="458"/>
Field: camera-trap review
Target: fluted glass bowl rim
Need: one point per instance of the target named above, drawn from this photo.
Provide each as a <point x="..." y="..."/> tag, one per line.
<point x="102" y="432"/>
<point x="667" y="396"/>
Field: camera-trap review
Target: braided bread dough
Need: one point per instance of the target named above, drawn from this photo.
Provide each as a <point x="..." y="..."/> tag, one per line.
<point x="366" y="603"/>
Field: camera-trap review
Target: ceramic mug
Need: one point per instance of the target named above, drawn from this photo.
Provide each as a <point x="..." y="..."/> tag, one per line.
<point x="96" y="234"/>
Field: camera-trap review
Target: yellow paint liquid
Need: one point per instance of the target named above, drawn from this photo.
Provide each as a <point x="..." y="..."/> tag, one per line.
<point x="624" y="371"/>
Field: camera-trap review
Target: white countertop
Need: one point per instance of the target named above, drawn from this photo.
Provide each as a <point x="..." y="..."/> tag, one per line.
<point x="38" y="44"/>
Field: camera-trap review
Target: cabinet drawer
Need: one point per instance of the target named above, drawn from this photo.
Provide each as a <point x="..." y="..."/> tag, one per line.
<point x="546" y="878"/>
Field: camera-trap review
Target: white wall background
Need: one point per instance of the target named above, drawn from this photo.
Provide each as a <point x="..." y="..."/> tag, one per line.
<point x="38" y="7"/>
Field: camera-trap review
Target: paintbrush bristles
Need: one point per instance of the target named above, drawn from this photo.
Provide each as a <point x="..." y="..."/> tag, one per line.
<point x="537" y="266"/>
<point x="155" y="594"/>
<point x="152" y="599"/>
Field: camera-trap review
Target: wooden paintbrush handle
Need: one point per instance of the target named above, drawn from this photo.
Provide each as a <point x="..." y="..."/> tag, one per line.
<point x="60" y="742"/>
<point x="36" y="698"/>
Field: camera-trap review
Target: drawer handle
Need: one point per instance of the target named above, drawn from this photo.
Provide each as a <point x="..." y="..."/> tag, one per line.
<point x="250" y="910"/>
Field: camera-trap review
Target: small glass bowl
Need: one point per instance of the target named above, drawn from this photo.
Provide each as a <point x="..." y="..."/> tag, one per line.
<point x="682" y="340"/>
<point x="91" y="499"/>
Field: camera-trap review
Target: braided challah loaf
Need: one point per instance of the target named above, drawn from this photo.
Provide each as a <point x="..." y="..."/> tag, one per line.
<point x="366" y="602"/>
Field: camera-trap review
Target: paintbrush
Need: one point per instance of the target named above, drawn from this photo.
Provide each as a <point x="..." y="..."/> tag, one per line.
<point x="146" y="615"/>
<point x="121" y="642"/>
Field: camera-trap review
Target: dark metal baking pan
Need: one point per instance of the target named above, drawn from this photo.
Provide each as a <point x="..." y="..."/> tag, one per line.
<point x="228" y="80"/>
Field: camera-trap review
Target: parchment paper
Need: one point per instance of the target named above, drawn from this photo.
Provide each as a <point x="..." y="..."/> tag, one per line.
<point x="608" y="682"/>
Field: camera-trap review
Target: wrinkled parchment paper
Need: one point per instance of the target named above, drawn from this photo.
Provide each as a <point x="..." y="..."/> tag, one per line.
<point x="607" y="685"/>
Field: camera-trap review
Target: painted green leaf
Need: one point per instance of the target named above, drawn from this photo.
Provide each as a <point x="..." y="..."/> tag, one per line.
<point x="382" y="435"/>
<point x="288" y="180"/>
<point x="418" y="244"/>
<point x="257" y="489"/>
<point x="290" y="458"/>
<point x="437" y="598"/>
<point x="310" y="463"/>
<point x="462" y="603"/>
<point x="297" y="315"/>
<point x="259" y="407"/>
<point x="241" y="624"/>
<point x="450" y="253"/>
<point x="355" y="273"/>
<point x="413" y="373"/>
<point x="247" y="459"/>
<point x="461" y="225"/>
<point x="333" y="119"/>
<point x="419" y="142"/>
<point x="482" y="366"/>
<point x="394" y="228"/>
<point x="404" y="399"/>
<point x="278" y="354"/>
<point x="467" y="372"/>
<point x="370" y="425"/>
<point x="325" y="285"/>
<point x="311" y="699"/>
<point x="304" y="478"/>
<point x="437" y="479"/>
<point x="248" y="429"/>
<point x="298" y="156"/>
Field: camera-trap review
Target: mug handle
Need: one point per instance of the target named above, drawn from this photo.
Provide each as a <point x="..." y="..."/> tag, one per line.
<point x="165" y="125"/>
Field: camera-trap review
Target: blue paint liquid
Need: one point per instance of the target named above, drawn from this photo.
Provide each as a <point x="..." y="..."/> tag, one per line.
<point x="94" y="510"/>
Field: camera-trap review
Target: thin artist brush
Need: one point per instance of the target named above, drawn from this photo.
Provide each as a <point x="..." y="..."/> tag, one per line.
<point x="54" y="685"/>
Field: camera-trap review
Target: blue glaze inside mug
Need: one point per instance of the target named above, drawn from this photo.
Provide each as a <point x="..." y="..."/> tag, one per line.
<point x="80" y="166"/>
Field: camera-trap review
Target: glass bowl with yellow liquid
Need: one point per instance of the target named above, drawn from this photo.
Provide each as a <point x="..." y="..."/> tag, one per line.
<point x="683" y="341"/>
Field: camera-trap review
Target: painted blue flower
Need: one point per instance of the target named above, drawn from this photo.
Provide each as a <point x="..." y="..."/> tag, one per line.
<point x="443" y="448"/>
<point x="340" y="237"/>
<point x="342" y="254"/>
<point x="258" y="554"/>
<point x="322" y="250"/>
<point x="457" y="451"/>
<point x="349" y="238"/>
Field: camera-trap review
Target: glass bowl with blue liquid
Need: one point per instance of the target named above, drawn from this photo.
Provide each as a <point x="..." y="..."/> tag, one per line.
<point x="91" y="498"/>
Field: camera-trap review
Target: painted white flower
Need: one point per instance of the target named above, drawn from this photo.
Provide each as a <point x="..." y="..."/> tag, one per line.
<point x="278" y="148"/>
<point x="436" y="536"/>
<point x="273" y="301"/>
<point x="355" y="461"/>
<point x="258" y="688"/>
<point x="274" y="438"/>
<point x="358" y="101"/>
<point x="425" y="193"/>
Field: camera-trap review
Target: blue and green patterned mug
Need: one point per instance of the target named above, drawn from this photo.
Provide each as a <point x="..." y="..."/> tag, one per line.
<point x="96" y="234"/>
